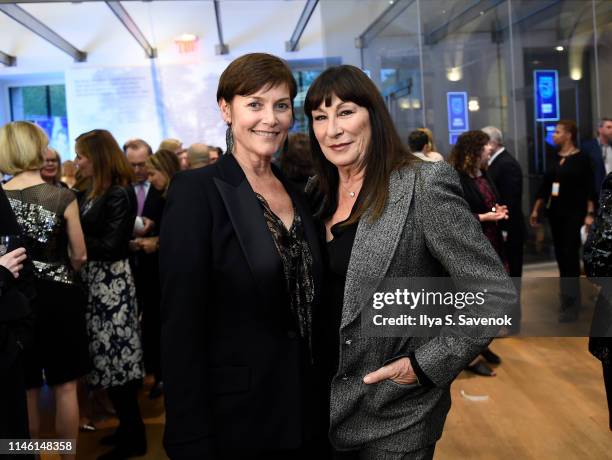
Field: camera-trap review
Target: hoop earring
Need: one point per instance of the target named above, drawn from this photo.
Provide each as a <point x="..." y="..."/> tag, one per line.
<point x="229" y="140"/>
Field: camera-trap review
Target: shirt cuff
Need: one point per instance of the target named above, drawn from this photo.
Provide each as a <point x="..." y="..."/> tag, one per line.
<point x="421" y="376"/>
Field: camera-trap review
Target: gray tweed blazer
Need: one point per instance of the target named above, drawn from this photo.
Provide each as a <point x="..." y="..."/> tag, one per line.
<point x="426" y="230"/>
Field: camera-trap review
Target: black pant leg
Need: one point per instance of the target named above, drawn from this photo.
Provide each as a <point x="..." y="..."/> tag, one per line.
<point x="566" y="239"/>
<point x="125" y="402"/>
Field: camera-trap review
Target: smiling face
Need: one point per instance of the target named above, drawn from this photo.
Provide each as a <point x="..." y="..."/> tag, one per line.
<point x="343" y="131"/>
<point x="50" y="167"/>
<point x="260" y="122"/>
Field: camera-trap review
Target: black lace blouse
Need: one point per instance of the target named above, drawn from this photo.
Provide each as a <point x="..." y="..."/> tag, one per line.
<point x="297" y="266"/>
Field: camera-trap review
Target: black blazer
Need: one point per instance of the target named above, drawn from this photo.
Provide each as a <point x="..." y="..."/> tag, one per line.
<point x="154" y="208"/>
<point x="108" y="223"/>
<point x="236" y="373"/>
<point x="506" y="174"/>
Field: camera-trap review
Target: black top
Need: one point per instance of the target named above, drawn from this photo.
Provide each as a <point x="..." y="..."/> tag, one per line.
<point x="40" y="213"/>
<point x="575" y="178"/>
<point x="108" y="222"/>
<point x="338" y="252"/>
<point x="297" y="266"/>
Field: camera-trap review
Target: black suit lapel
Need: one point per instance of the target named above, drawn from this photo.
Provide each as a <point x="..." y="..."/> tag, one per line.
<point x="251" y="229"/>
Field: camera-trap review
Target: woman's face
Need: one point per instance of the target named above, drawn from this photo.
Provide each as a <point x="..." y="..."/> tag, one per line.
<point x="84" y="165"/>
<point x="260" y="122"/>
<point x="158" y="179"/>
<point x="343" y="130"/>
<point x="560" y="135"/>
<point x="50" y="166"/>
<point x="485" y="155"/>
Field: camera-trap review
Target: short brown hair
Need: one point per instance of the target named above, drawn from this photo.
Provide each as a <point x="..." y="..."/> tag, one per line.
<point x="171" y="144"/>
<point x="296" y="162"/>
<point x="570" y="127"/>
<point x="21" y="147"/>
<point x="253" y="72"/>
<point x="166" y="162"/>
<point x="110" y="166"/>
<point x="466" y="151"/>
<point x="137" y="144"/>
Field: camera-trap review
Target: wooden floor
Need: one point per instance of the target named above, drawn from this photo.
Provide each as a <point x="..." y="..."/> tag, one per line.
<point x="546" y="402"/>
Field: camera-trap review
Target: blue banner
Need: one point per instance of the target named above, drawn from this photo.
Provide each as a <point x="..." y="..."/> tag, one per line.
<point x="457" y="107"/>
<point x="546" y="97"/>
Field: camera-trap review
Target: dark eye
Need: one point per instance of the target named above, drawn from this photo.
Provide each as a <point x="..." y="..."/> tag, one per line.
<point x="254" y="105"/>
<point x="319" y="117"/>
<point x="346" y="112"/>
<point x="282" y="106"/>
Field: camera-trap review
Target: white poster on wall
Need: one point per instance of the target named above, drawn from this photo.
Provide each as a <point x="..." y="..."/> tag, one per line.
<point x="152" y="103"/>
<point x="119" y="99"/>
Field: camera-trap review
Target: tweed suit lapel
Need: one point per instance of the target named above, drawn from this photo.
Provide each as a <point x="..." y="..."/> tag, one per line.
<point x="375" y="244"/>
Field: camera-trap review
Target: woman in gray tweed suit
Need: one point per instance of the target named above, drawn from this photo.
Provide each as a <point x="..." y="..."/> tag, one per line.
<point x="388" y="215"/>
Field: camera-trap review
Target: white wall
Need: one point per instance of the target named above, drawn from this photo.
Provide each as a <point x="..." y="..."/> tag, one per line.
<point x="184" y="84"/>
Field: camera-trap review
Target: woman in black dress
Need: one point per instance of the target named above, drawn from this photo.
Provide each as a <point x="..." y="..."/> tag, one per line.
<point x="108" y="212"/>
<point x="469" y="157"/>
<point x="49" y="220"/>
<point x="567" y="192"/>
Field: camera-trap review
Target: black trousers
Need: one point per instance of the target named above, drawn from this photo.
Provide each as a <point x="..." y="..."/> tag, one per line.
<point x="14" y="406"/>
<point x="125" y="401"/>
<point x="566" y="239"/>
<point x="514" y="255"/>
<point x="607" y="373"/>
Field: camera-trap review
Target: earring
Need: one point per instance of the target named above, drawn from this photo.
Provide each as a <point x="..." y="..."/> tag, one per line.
<point x="229" y="139"/>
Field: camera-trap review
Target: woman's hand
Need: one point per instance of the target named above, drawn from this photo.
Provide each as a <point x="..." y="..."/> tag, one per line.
<point x="493" y="216"/>
<point x="533" y="219"/>
<point x="148" y="245"/>
<point x="399" y="371"/>
<point x="13" y="261"/>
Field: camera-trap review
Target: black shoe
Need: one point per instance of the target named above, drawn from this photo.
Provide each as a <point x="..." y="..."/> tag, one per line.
<point x="490" y="357"/>
<point x="111" y="439"/>
<point x="157" y="390"/>
<point x="481" y="368"/>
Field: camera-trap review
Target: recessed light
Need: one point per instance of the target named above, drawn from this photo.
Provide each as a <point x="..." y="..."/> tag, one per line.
<point x="559" y="48"/>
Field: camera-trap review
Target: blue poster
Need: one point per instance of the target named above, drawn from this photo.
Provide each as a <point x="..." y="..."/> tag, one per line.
<point x="457" y="112"/>
<point x="546" y="88"/>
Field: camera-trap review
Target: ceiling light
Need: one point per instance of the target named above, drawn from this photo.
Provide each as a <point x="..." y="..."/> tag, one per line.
<point x="559" y="48"/>
<point x="453" y="74"/>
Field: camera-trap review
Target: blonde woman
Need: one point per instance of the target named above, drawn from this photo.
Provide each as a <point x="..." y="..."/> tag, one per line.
<point x="49" y="220"/>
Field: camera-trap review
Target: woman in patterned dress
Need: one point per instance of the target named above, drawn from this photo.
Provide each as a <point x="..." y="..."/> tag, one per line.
<point x="108" y="210"/>
<point x="48" y="217"/>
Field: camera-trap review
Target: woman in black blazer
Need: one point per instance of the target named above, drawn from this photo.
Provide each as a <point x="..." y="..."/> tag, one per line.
<point x="469" y="157"/>
<point x="240" y="272"/>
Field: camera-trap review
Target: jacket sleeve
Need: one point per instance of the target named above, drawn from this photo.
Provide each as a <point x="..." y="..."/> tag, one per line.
<point x="185" y="270"/>
<point x="119" y="214"/>
<point x="457" y="242"/>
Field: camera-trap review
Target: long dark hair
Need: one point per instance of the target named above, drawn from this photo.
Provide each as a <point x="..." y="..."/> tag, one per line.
<point x="385" y="153"/>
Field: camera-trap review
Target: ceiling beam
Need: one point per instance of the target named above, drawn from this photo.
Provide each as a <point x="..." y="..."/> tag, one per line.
<point x="475" y="10"/>
<point x="132" y="28"/>
<point x="34" y="25"/>
<point x="381" y="22"/>
<point x="309" y="8"/>
<point x="222" y="47"/>
<point x="8" y="60"/>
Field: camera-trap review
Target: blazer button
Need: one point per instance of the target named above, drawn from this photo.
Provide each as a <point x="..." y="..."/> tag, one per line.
<point x="345" y="377"/>
<point x="348" y="341"/>
<point x="292" y="335"/>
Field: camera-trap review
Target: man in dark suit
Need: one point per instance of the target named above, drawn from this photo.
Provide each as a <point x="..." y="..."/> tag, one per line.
<point x="507" y="176"/>
<point x="145" y="266"/>
<point x="600" y="152"/>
